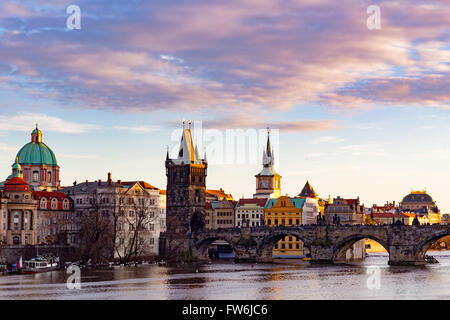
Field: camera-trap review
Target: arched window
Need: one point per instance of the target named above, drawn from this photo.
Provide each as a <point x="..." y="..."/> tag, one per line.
<point x="54" y="204"/>
<point x="43" y="203"/>
<point x="66" y="204"/>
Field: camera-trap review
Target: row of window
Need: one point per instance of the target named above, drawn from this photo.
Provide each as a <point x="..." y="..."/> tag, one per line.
<point x="54" y="204"/>
<point x="283" y="222"/>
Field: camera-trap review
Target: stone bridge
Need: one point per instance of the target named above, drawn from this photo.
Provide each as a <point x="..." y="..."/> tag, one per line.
<point x="405" y="244"/>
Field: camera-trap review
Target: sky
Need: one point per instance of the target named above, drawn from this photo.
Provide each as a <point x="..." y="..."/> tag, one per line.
<point x="356" y="111"/>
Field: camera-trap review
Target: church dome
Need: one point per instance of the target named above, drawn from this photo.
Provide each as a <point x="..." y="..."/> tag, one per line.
<point x="36" y="152"/>
<point x="416" y="196"/>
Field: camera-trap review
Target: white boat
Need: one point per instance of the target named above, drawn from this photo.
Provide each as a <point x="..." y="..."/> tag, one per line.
<point x="40" y="264"/>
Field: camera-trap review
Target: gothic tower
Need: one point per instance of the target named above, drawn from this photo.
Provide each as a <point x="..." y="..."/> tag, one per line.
<point x="186" y="189"/>
<point x="268" y="182"/>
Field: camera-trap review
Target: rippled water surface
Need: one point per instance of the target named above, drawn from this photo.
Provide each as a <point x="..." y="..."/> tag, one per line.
<point x="283" y="280"/>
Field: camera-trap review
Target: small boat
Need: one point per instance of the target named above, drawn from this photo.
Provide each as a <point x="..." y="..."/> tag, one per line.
<point x="40" y="264"/>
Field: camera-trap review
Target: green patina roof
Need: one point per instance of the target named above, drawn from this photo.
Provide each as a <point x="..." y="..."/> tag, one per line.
<point x="296" y="202"/>
<point x="37" y="153"/>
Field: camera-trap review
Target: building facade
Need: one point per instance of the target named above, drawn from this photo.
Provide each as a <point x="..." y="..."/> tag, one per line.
<point x="250" y="212"/>
<point x="285" y="211"/>
<point x="419" y="202"/>
<point x="349" y="211"/>
<point x="131" y="207"/>
<point x="31" y="217"/>
<point x="220" y="214"/>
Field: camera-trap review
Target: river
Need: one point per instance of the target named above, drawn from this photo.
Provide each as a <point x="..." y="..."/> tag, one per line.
<point x="229" y="281"/>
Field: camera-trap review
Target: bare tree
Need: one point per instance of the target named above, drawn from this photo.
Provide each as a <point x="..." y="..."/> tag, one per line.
<point x="96" y="233"/>
<point x="136" y="215"/>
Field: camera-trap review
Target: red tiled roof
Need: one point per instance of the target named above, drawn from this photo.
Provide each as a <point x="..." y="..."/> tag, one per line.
<point x="351" y="201"/>
<point x="50" y="194"/>
<point x="146" y="185"/>
<point x="219" y="193"/>
<point x="258" y="201"/>
<point x="382" y="215"/>
<point x="162" y="192"/>
<point x="16" y="184"/>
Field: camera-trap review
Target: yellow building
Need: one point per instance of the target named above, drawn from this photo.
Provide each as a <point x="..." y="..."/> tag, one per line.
<point x="421" y="203"/>
<point x="285" y="211"/>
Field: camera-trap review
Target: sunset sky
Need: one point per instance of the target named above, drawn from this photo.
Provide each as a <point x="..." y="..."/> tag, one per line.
<point x="360" y="112"/>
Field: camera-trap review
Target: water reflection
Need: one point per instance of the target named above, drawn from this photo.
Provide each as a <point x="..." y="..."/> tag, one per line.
<point x="228" y="281"/>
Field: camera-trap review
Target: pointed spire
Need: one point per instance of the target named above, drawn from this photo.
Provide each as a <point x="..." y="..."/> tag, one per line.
<point x="167" y="155"/>
<point x="197" y="156"/>
<point x="269" y="147"/>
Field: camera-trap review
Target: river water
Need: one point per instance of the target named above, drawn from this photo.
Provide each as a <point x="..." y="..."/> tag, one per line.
<point x="281" y="280"/>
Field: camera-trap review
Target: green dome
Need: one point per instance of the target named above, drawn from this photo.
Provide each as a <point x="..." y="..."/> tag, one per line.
<point x="37" y="153"/>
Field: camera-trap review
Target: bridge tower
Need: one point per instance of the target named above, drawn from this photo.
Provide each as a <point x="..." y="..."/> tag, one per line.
<point x="186" y="196"/>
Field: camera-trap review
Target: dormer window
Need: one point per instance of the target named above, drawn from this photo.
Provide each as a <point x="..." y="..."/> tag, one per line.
<point x="54" y="204"/>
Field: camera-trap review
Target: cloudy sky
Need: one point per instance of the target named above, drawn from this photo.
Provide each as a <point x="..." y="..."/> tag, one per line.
<point x="358" y="112"/>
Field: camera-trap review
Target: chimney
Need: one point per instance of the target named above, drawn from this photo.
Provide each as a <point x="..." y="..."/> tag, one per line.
<point x="109" y="178"/>
<point x="119" y="181"/>
<point x="99" y="182"/>
<point x="87" y="181"/>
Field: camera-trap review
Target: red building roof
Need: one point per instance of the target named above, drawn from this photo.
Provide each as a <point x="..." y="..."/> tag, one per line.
<point x="16" y="184"/>
<point x="142" y="183"/>
<point x="258" y="201"/>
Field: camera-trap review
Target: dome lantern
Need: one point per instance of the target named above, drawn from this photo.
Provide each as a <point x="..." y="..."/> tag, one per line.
<point x="36" y="135"/>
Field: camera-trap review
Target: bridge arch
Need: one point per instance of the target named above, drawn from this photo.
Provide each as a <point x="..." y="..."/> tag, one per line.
<point x="203" y="244"/>
<point x="343" y="245"/>
<point x="268" y="242"/>
<point x="425" y="245"/>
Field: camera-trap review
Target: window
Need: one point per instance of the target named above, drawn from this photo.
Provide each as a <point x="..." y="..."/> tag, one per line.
<point x="35" y="176"/>
<point x="54" y="204"/>
<point x="49" y="176"/>
<point x="16" y="220"/>
<point x="131" y="213"/>
<point x="152" y="227"/>
<point x="26" y="224"/>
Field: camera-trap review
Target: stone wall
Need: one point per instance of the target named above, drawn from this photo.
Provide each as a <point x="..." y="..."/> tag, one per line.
<point x="11" y="254"/>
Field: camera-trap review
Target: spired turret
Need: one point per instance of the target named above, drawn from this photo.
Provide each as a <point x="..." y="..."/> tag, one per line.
<point x="268" y="181"/>
<point x="186" y="188"/>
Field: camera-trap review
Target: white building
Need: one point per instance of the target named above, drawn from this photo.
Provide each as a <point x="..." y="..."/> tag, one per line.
<point x="250" y="212"/>
<point x="310" y="211"/>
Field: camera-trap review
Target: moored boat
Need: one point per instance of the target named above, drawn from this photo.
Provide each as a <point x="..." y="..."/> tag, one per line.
<point x="40" y="264"/>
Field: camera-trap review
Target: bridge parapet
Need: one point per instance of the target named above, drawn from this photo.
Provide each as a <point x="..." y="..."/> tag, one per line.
<point x="405" y="244"/>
